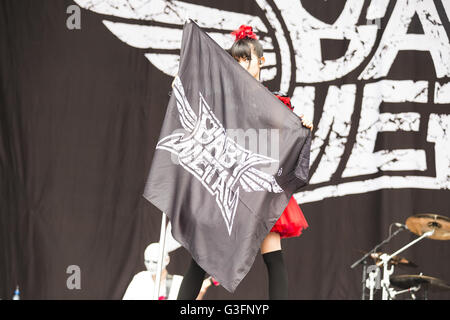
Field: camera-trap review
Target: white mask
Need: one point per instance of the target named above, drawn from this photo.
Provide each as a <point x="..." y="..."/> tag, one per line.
<point x="151" y="256"/>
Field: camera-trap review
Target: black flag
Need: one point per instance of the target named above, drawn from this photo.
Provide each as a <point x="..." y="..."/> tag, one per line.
<point x="229" y="157"/>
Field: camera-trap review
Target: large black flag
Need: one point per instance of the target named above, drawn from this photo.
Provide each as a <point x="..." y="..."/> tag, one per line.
<point x="229" y="157"/>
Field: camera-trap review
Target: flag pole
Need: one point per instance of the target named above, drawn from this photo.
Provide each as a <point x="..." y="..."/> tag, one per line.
<point x="162" y="244"/>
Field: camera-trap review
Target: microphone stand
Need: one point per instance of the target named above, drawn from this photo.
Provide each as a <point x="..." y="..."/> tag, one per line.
<point x="364" y="279"/>
<point x="363" y="259"/>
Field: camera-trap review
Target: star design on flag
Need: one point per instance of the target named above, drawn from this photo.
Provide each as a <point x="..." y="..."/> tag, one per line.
<point x="216" y="160"/>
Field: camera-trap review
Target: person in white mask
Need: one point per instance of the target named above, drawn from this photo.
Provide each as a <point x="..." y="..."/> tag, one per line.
<point x="142" y="285"/>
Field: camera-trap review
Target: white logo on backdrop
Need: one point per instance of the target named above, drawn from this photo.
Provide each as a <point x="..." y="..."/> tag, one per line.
<point x="343" y="161"/>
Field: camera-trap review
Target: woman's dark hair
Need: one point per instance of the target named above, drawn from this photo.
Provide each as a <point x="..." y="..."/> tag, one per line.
<point x="242" y="48"/>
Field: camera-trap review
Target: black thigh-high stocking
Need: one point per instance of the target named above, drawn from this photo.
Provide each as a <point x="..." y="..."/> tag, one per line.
<point x="278" y="280"/>
<point x="192" y="282"/>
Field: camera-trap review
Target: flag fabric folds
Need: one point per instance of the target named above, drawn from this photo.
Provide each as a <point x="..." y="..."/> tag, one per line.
<point x="229" y="157"/>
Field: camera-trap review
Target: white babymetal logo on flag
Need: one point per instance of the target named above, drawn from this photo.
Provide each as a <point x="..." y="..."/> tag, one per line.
<point x="217" y="161"/>
<point x="358" y="101"/>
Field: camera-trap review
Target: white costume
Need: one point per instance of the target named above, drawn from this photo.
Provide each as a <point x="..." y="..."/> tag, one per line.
<point x="142" y="285"/>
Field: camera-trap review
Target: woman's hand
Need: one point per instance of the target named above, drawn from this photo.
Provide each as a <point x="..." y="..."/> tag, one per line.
<point x="205" y="285"/>
<point x="306" y="122"/>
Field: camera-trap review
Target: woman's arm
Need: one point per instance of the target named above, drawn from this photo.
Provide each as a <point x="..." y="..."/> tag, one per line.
<point x="287" y="101"/>
<point x="205" y="285"/>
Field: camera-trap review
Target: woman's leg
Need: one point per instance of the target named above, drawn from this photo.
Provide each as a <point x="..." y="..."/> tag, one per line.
<point x="276" y="269"/>
<point x="192" y="282"/>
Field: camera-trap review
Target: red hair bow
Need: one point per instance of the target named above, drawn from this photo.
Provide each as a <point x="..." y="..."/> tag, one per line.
<point x="243" y="32"/>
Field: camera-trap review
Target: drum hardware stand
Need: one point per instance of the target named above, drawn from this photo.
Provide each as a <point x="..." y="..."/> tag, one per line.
<point x="393" y="293"/>
<point x="425" y="293"/>
<point x="368" y="283"/>
<point x="371" y="283"/>
<point x="385" y="283"/>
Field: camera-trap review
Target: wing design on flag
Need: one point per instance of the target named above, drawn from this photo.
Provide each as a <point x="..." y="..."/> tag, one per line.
<point x="216" y="160"/>
<point x="156" y="26"/>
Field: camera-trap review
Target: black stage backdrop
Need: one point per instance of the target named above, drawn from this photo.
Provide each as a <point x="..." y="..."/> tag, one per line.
<point x="81" y="111"/>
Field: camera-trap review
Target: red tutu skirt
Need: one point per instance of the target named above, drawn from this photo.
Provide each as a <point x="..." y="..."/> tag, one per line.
<point x="292" y="221"/>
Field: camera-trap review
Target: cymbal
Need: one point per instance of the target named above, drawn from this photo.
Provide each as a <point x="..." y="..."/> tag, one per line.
<point x="395" y="260"/>
<point x="408" y="281"/>
<point x="424" y="222"/>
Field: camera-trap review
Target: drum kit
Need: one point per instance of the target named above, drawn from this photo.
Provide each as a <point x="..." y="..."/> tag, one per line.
<point x="426" y="225"/>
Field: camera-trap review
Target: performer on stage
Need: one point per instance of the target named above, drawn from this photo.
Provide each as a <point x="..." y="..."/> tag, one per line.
<point x="142" y="285"/>
<point x="248" y="51"/>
